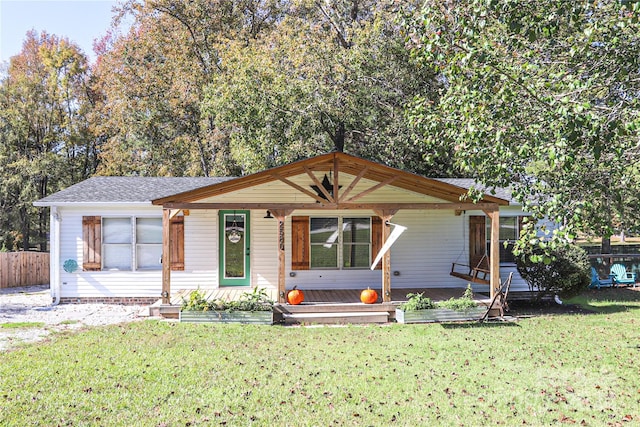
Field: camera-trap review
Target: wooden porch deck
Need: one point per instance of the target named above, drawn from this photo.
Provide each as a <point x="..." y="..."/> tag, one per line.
<point x="329" y="296"/>
<point x="349" y="296"/>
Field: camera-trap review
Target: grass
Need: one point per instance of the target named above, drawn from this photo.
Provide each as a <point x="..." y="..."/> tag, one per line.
<point x="539" y="371"/>
<point x="608" y="300"/>
<point x="21" y="325"/>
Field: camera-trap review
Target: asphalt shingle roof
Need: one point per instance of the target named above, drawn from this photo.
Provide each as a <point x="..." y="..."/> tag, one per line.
<point x="503" y="193"/>
<point x="135" y="189"/>
<point x="130" y="189"/>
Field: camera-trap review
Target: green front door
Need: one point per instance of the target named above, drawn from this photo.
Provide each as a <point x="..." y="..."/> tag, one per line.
<point x="234" y="248"/>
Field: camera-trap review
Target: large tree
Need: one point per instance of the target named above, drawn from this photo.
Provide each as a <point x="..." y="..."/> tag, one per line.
<point x="152" y="81"/>
<point x="225" y="87"/>
<point x="45" y="142"/>
<point x="542" y="97"/>
<point x="331" y="76"/>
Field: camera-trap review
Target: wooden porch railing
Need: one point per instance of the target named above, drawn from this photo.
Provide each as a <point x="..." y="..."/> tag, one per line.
<point x="23" y="269"/>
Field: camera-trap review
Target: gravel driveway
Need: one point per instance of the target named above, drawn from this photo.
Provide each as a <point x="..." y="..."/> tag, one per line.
<point x="33" y="304"/>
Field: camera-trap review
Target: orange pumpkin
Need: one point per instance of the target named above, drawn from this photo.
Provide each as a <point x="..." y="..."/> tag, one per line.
<point x="295" y="296"/>
<point x="369" y="296"/>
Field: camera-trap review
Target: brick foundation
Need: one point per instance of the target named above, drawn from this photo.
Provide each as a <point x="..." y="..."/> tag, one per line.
<point x="109" y="300"/>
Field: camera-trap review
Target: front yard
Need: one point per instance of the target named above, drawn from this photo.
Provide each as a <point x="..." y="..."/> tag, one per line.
<point x="541" y="370"/>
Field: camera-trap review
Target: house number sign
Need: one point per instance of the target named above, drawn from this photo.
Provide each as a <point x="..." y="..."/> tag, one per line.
<point x="281" y="235"/>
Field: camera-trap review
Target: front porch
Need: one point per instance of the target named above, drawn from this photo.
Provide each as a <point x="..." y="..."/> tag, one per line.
<point x="332" y="213"/>
<point x="334" y="306"/>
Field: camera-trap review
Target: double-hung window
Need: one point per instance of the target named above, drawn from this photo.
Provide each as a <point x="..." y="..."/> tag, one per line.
<point x="131" y="243"/>
<point x="340" y="242"/>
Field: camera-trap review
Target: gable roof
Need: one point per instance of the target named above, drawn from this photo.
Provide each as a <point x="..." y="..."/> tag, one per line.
<point x="466" y="183"/>
<point x="159" y="190"/>
<point x="337" y="162"/>
<point x="129" y="189"/>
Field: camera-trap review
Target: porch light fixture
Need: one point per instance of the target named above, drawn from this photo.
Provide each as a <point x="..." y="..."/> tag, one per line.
<point x="234" y="235"/>
<point x="268" y="215"/>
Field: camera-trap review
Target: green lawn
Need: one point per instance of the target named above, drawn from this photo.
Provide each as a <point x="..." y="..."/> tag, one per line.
<point x="548" y="370"/>
<point x="21" y="325"/>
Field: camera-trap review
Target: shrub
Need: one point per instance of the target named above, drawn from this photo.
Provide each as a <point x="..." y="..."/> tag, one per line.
<point x="417" y="302"/>
<point x="257" y="300"/>
<point x="196" y="302"/>
<point x="420" y="302"/>
<point x="463" y="303"/>
<point x="565" y="274"/>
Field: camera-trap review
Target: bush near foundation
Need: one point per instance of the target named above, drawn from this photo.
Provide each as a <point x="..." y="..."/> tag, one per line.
<point x="566" y="274"/>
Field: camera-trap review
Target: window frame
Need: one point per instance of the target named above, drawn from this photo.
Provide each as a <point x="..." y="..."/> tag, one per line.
<point x="138" y="246"/>
<point x="339" y="242"/>
<point x="134" y="245"/>
<point x="506" y="253"/>
<point x="107" y="245"/>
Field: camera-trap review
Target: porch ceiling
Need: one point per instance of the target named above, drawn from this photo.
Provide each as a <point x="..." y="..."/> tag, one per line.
<point x="336" y="163"/>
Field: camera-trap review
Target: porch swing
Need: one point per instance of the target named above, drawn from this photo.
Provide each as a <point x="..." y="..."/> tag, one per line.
<point x="478" y="271"/>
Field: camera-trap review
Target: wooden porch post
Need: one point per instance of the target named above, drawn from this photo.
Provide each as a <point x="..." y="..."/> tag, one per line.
<point x="166" y="257"/>
<point x="494" y="256"/>
<point x="386" y="215"/>
<point x="386" y="264"/>
<point x="281" y="215"/>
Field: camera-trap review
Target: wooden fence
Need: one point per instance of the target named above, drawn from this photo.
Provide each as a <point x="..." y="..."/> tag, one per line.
<point x="23" y="269"/>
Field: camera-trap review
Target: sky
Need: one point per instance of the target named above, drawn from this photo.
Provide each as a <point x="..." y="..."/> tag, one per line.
<point x="81" y="21"/>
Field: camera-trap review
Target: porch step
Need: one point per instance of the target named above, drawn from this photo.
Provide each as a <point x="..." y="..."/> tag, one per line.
<point x="334" y="308"/>
<point x="165" y="311"/>
<point x="344" y="317"/>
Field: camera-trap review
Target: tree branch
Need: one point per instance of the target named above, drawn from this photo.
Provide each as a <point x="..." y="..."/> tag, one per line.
<point x="341" y="37"/>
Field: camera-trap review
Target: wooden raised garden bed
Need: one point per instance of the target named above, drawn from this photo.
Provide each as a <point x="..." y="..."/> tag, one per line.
<point x="439" y="315"/>
<point x="254" y="317"/>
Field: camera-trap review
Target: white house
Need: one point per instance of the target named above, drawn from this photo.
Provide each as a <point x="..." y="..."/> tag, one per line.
<point x="317" y="224"/>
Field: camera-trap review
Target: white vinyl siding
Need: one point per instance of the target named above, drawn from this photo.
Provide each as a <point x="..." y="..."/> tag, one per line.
<point x="422" y="256"/>
<point x="88" y="284"/>
<point x="264" y="250"/>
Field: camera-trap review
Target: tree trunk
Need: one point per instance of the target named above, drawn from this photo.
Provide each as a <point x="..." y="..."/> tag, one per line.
<point x="43" y="224"/>
<point x="338" y="138"/>
<point x="606" y="249"/>
<point x="24" y="218"/>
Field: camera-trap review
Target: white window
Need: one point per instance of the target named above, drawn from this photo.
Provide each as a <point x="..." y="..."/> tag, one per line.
<point x="116" y="244"/>
<point x="148" y="243"/>
<point x="338" y="242"/>
<point x="126" y="250"/>
<point x="509" y="233"/>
